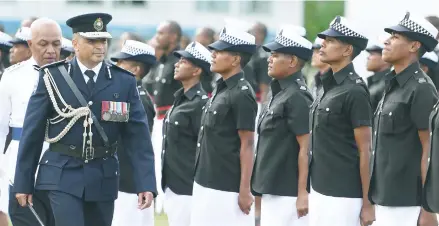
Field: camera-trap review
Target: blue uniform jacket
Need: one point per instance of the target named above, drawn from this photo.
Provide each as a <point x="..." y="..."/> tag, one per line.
<point x="98" y="179"/>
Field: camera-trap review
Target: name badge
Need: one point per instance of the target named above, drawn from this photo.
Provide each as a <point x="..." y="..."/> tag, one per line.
<point x="115" y="111"/>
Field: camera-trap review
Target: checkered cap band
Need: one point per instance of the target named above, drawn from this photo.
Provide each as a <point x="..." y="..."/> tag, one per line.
<point x="346" y="31"/>
<point x="199" y="52"/>
<point x="135" y="48"/>
<point x="233" y="40"/>
<point x="413" y="26"/>
<point x="287" y="42"/>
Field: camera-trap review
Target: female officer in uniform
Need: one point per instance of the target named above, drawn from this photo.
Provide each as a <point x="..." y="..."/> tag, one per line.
<point x="180" y="132"/>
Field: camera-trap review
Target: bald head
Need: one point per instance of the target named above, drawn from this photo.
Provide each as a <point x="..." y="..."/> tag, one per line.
<point x="259" y="30"/>
<point x="46" y="41"/>
<point x="205" y="36"/>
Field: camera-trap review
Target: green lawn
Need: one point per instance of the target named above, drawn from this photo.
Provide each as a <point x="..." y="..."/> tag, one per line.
<point x="161" y="220"/>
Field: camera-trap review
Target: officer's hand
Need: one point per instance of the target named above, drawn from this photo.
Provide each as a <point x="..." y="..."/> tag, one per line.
<point x="427" y="219"/>
<point x="245" y="201"/>
<point x="24" y="199"/>
<point x="367" y="216"/>
<point x="145" y="200"/>
<point x="302" y="204"/>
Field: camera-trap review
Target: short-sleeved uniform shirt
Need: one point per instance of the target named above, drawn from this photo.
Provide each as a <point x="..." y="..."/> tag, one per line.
<point x="344" y="106"/>
<point x="285" y="117"/>
<point x="161" y="85"/>
<point x="232" y="108"/>
<point x="256" y="71"/>
<point x="376" y="86"/>
<point x="404" y="110"/>
<point x="180" y="134"/>
<point x="431" y="196"/>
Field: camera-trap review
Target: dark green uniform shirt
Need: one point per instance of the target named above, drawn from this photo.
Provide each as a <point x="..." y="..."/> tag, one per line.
<point x="286" y="116"/>
<point x="344" y="106"/>
<point x="396" y="169"/>
<point x="232" y="107"/>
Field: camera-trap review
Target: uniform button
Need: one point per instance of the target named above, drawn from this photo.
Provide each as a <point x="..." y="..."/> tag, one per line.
<point x="90" y="103"/>
<point x="198" y="91"/>
<point x="47" y="161"/>
<point x="164" y="136"/>
<point x="351" y="73"/>
<point x="73" y="147"/>
<point x="271" y="112"/>
<point x="155" y="92"/>
<point x="202" y="127"/>
<point x="310" y="152"/>
<point x="163" y="151"/>
<point x="390" y="113"/>
<point x="310" y="131"/>
<point x="214" y="112"/>
<point x="86" y="161"/>
<point x="431" y="134"/>
<point x="116" y="173"/>
<point x="375" y="133"/>
<point x="203" y="107"/>
<point x="327" y="109"/>
<point x="198" y="144"/>
<point x="106" y="152"/>
<point x="242" y="79"/>
<point x="157" y="79"/>
<point x="205" y="111"/>
<point x="416" y="72"/>
<point x="163" y="80"/>
<point x="176" y="122"/>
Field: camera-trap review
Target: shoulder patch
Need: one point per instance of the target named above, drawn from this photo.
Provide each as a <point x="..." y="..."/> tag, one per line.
<point x="422" y="80"/>
<point x="204" y="97"/>
<point x="302" y="85"/>
<point x="57" y="63"/>
<point x="359" y="80"/>
<point x="244" y="87"/>
<point x="141" y="92"/>
<point x="13" y="67"/>
<point x="114" y="66"/>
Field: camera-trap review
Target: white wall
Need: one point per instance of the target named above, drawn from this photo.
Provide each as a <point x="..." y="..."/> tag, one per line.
<point x="373" y="16"/>
<point x="182" y="11"/>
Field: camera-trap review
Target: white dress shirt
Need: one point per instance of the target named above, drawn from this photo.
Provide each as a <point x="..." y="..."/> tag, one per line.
<point x="84" y="68"/>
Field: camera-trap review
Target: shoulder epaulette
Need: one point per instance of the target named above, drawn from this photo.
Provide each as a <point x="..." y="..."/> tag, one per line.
<point x="301" y="84"/>
<point x="114" y="66"/>
<point x="13" y="67"/>
<point x="54" y="64"/>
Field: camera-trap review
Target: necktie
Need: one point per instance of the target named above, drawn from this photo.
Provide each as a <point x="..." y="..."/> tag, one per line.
<point x="91" y="83"/>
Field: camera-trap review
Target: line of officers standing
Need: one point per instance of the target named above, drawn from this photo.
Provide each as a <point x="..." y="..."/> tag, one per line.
<point x="313" y="162"/>
<point x="339" y="158"/>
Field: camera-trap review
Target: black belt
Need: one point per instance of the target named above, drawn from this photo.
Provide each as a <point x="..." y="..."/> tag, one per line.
<point x="88" y="154"/>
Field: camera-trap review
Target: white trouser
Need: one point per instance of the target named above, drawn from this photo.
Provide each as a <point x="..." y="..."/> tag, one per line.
<point x="333" y="211"/>
<point x="177" y="208"/>
<point x="280" y="211"/>
<point x="8" y="162"/>
<point x="218" y="208"/>
<point x="127" y="213"/>
<point x="396" y="216"/>
<point x="157" y="139"/>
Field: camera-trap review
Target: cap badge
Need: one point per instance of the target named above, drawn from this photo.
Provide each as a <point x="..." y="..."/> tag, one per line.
<point x="98" y="24"/>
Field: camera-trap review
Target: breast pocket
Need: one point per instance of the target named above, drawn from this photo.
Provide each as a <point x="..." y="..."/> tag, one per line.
<point x="394" y="117"/>
<point x="273" y="119"/>
<point x="216" y="114"/>
<point x="329" y="114"/>
<point x="175" y="125"/>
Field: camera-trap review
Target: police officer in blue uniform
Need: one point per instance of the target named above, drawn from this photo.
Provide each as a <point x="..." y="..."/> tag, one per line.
<point x="81" y="108"/>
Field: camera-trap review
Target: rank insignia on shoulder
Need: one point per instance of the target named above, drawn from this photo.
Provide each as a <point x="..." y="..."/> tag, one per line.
<point x="244" y="87"/>
<point x="142" y="92"/>
<point x="115" y="111"/>
<point x="359" y="80"/>
<point x="422" y="80"/>
<point x="302" y="87"/>
<point x="204" y="97"/>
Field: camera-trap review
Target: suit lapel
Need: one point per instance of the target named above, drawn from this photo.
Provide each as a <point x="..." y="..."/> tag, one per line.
<point x="103" y="80"/>
<point x="79" y="80"/>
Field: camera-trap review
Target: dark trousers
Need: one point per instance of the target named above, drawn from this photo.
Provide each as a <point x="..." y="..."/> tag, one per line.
<point x="72" y="211"/>
<point x="22" y="216"/>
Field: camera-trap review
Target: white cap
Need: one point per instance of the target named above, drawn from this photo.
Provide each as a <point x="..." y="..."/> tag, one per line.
<point x="236" y="36"/>
<point x="5" y="39"/>
<point x="343" y="26"/>
<point x="297" y="29"/>
<point x="66" y="45"/>
<point x="135" y="48"/>
<point x="318" y="41"/>
<point x="200" y="52"/>
<point x="289" y="37"/>
<point x="431" y="56"/>
<point x="419" y="24"/>
<point x="23" y="34"/>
